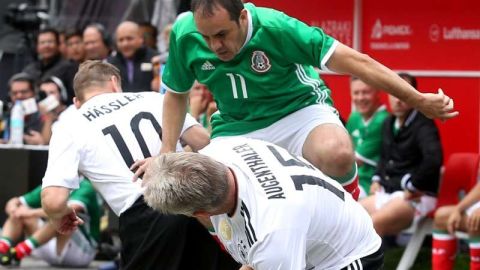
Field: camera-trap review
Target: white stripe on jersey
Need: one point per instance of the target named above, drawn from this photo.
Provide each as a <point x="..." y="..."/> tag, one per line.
<point x="315" y="84"/>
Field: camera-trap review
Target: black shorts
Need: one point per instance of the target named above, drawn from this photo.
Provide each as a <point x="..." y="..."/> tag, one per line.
<point x="151" y="240"/>
<point x="373" y="261"/>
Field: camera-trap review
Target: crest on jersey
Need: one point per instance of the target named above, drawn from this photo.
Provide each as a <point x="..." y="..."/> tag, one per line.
<point x="225" y="230"/>
<point x="260" y="62"/>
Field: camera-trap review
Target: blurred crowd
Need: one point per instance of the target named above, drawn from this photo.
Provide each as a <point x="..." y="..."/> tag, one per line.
<point x="45" y="86"/>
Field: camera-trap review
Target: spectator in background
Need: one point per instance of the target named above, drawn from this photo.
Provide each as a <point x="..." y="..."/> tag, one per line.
<point x="149" y="34"/>
<point x="51" y="109"/>
<point x="21" y="87"/>
<point x="133" y="58"/>
<point x="62" y="44"/>
<point x="97" y="42"/>
<point x="202" y="105"/>
<point x="407" y="176"/>
<point x="50" y="62"/>
<point x="26" y="217"/>
<point x="465" y="217"/>
<point x="75" y="47"/>
<point x="365" y="127"/>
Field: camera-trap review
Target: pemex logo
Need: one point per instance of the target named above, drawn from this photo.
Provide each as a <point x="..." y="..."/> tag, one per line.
<point x="377" y="30"/>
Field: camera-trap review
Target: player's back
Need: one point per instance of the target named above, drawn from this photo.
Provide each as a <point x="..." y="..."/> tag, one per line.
<point x="293" y="197"/>
<point x="108" y="133"/>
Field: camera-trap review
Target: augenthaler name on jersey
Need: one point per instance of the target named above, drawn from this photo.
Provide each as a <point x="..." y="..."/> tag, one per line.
<point x="97" y="111"/>
<point x="262" y="173"/>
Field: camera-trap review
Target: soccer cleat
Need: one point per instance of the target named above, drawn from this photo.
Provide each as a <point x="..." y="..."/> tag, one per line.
<point x="9" y="258"/>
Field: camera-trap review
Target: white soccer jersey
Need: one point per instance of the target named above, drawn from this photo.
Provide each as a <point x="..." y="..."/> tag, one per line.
<point x="289" y="215"/>
<point x="102" y="139"/>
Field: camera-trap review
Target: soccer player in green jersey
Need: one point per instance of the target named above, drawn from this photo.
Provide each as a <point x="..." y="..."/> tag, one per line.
<point x="27" y="218"/>
<point x="365" y="127"/>
<point x="258" y="63"/>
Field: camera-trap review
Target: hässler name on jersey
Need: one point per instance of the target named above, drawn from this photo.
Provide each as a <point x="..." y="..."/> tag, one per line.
<point x="93" y="113"/>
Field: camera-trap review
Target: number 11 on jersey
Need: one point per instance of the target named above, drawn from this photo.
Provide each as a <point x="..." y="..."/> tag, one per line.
<point x="234" y="85"/>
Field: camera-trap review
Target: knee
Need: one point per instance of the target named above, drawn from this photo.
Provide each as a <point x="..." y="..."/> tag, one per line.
<point x="339" y="155"/>
<point x="440" y="218"/>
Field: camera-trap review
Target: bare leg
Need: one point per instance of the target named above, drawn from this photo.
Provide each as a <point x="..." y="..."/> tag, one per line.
<point x="395" y="216"/>
<point x="369" y="204"/>
<point x="47" y="232"/>
<point x="14" y="228"/>
<point x="330" y="149"/>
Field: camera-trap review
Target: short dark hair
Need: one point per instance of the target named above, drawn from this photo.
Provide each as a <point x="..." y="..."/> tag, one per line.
<point x="50" y="30"/>
<point x="21" y="77"/>
<point x="409" y="78"/>
<point x="73" y="32"/>
<point x="106" y="37"/>
<point x="233" y="7"/>
<point x="151" y="26"/>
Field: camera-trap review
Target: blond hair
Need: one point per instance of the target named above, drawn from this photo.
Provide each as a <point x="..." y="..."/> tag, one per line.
<point x="93" y="73"/>
<point x="183" y="183"/>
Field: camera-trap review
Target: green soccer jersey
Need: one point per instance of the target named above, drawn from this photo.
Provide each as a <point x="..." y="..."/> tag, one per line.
<point x="367" y="140"/>
<point x="272" y="76"/>
<point x="86" y="196"/>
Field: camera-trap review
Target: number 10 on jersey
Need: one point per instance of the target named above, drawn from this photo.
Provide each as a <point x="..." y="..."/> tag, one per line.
<point x="241" y="79"/>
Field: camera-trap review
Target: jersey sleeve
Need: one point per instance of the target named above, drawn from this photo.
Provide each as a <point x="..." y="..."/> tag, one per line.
<point x="177" y="76"/>
<point x="83" y="195"/>
<point x="63" y="159"/>
<point x="279" y="250"/>
<point x="309" y="45"/>
<point x="33" y="198"/>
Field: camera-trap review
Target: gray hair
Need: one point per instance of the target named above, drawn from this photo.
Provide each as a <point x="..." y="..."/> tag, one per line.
<point x="183" y="183"/>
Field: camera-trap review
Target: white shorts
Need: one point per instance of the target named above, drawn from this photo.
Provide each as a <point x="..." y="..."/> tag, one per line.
<point x="472" y="208"/>
<point x="291" y="131"/>
<point x="422" y="208"/>
<point x="78" y="251"/>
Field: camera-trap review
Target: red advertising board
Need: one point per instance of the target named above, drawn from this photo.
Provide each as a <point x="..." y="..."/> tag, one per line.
<point x="334" y="17"/>
<point x="440" y="38"/>
<point x="423" y="35"/>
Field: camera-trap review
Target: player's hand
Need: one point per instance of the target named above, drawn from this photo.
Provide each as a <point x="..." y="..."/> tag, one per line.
<point x="473" y="221"/>
<point x="25" y="212"/>
<point x="246" y="267"/>
<point x="454" y="220"/>
<point x="68" y="223"/>
<point x="12" y="205"/>
<point x="438" y="106"/>
<point x="139" y="168"/>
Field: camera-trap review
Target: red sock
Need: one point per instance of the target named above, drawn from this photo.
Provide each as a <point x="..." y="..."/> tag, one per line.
<point x="474" y="256"/>
<point x="352" y="188"/>
<point x="4" y="245"/>
<point x="23" y="249"/>
<point x="444" y="250"/>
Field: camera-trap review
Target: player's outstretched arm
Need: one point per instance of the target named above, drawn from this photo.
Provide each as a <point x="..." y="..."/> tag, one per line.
<point x="346" y="60"/>
<point x="174" y="110"/>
